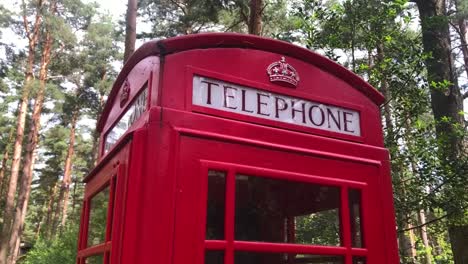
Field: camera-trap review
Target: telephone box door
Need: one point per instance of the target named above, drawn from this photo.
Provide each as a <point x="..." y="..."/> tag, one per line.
<point x="254" y="203"/>
<point x="101" y="219"/>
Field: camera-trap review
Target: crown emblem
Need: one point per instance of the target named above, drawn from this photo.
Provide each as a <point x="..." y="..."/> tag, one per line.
<point x="282" y="72"/>
<point x="125" y="93"/>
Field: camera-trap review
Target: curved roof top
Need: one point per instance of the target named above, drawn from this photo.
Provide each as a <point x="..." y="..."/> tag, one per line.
<point x="234" y="40"/>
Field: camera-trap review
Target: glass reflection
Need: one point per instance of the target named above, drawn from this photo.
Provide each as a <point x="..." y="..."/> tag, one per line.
<point x="214" y="257"/>
<point x="216" y="205"/>
<point x="282" y="258"/>
<point x="354" y="197"/>
<point x="98" y="217"/>
<point x="272" y="210"/>
<point x="359" y="260"/>
<point x="133" y="112"/>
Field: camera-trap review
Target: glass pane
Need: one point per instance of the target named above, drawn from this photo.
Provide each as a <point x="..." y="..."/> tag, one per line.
<point x="214" y="257"/>
<point x="282" y="258"/>
<point x="282" y="211"/>
<point x="98" y="217"/>
<point x="97" y="259"/>
<point x="359" y="260"/>
<point x="355" y="218"/>
<point x="216" y="204"/>
<point x="133" y="112"/>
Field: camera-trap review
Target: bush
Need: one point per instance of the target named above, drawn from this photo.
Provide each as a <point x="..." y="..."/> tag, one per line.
<point x="60" y="250"/>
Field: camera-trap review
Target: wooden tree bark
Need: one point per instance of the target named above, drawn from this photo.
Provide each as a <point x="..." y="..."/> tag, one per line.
<point x="50" y="211"/>
<point x="412" y="241"/>
<point x="2" y="172"/>
<point x="424" y="237"/>
<point x="446" y="102"/>
<point x="255" y="17"/>
<point x="463" y="32"/>
<point x="33" y="36"/>
<point x="68" y="169"/>
<point x="30" y="155"/>
<point x="5" y="159"/>
<point x="46" y="214"/>
<point x="130" y="29"/>
<point x="96" y="134"/>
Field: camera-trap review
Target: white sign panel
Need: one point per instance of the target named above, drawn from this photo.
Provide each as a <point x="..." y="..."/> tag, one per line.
<point x="224" y="96"/>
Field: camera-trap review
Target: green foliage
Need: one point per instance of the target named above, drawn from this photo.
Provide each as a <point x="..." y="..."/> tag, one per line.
<point x="172" y="18"/>
<point x="376" y="40"/>
<point x="321" y="228"/>
<point x="61" y="250"/>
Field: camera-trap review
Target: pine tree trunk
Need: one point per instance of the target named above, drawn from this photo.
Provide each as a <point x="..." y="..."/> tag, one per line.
<point x="4" y="164"/>
<point x="50" y="209"/>
<point x="96" y="134"/>
<point x="404" y="245"/>
<point x="255" y="19"/>
<point x="2" y="172"/>
<point x="384" y="90"/>
<point x="412" y="241"/>
<point x="29" y="158"/>
<point x="464" y="42"/>
<point x="130" y="29"/>
<point x="458" y="240"/>
<point x="463" y="32"/>
<point x="424" y="237"/>
<point x="95" y="149"/>
<point x="20" y="124"/>
<point x="68" y="168"/>
<point x="54" y="223"/>
<point x="445" y="103"/>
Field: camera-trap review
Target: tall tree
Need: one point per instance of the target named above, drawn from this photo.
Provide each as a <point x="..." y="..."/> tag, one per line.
<point x="461" y="21"/>
<point x="130" y="28"/>
<point x="29" y="158"/>
<point x="255" y="18"/>
<point x="171" y="18"/>
<point x="88" y="70"/>
<point x="446" y="102"/>
<point x="32" y="33"/>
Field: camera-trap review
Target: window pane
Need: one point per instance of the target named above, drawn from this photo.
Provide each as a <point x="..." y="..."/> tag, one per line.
<point x="359" y="260"/>
<point x="216" y="204"/>
<point x="355" y="218"/>
<point x="282" y="258"/>
<point x="97" y="259"/>
<point x="282" y="211"/>
<point x="214" y="257"/>
<point x="98" y="217"/>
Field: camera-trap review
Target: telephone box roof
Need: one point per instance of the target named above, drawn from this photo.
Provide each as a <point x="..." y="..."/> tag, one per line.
<point x="234" y="40"/>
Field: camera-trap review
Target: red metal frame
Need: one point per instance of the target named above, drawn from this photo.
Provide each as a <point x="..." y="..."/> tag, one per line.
<point x="113" y="175"/>
<point x="229" y="245"/>
<point x="161" y="162"/>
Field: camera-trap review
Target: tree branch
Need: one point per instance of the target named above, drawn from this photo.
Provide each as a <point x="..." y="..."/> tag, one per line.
<point x="233" y="25"/>
<point x="179" y="6"/>
<point x="38" y="19"/>
<point x="25" y="21"/>
<point x="428" y="222"/>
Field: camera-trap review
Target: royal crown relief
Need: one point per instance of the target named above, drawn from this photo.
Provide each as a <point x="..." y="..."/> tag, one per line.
<point x="283" y="73"/>
<point x="235" y="98"/>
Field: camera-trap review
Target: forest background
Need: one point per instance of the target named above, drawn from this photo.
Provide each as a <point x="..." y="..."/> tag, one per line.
<point x="58" y="60"/>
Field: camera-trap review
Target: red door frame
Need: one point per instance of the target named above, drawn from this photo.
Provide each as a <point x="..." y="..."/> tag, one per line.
<point x="191" y="198"/>
<point x="111" y="173"/>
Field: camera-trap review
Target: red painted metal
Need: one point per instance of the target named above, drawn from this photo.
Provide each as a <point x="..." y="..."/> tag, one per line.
<point x="158" y="169"/>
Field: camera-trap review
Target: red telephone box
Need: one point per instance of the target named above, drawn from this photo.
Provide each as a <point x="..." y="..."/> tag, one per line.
<point x="236" y="149"/>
